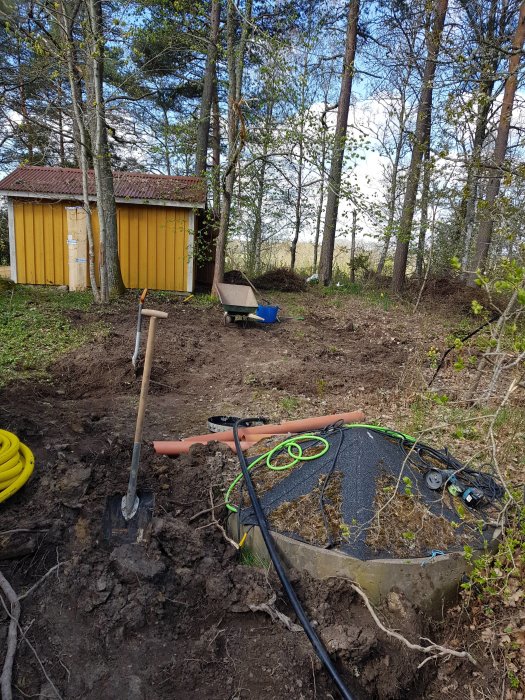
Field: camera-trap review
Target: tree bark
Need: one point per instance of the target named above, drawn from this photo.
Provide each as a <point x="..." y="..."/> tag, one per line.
<point x="489" y="69"/>
<point x="203" y="130"/>
<point x="299" y="196"/>
<point x="235" y="50"/>
<point x="352" y="247"/>
<point x="320" y="204"/>
<point x="336" y="165"/>
<point x="65" y="20"/>
<point x="111" y="283"/>
<point x="486" y="226"/>
<point x="423" y="225"/>
<point x="254" y="245"/>
<point x="216" y="153"/>
<point x="424" y="115"/>
<point x="393" y="187"/>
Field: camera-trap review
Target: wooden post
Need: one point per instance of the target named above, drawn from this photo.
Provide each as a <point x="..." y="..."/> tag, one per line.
<point x="77" y="249"/>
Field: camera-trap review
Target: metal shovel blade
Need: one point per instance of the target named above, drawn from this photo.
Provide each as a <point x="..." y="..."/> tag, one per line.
<point x="119" y="530"/>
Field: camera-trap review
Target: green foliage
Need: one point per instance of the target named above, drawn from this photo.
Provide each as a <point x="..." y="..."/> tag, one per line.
<point x="4" y="238"/>
<point x="477" y="308"/>
<point x="204" y="301"/>
<point x="433" y="357"/>
<point x="407" y="481"/>
<point x="249" y="558"/>
<point x="455" y="263"/>
<point x="320" y="387"/>
<point x="289" y="404"/>
<point x="35" y="330"/>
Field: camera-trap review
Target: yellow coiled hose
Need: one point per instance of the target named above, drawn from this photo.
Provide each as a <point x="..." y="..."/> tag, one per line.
<point x="16" y="464"/>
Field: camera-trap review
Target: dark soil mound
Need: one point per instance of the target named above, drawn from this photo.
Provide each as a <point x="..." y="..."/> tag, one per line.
<point x="234" y="277"/>
<point x="282" y="280"/>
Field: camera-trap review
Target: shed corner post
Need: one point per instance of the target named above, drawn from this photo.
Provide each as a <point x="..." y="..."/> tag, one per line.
<point x="12" y="239"/>
<point x="191" y="251"/>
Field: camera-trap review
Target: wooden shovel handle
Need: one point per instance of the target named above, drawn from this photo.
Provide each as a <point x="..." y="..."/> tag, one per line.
<point x="154" y="314"/>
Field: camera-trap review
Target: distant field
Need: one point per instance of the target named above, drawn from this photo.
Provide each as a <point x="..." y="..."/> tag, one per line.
<point x="5" y="272"/>
<point x="279" y="254"/>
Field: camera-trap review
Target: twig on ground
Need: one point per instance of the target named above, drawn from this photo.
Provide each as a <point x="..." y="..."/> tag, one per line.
<point x="14" y="532"/>
<point x="14" y="625"/>
<point x="14" y="615"/>
<point x="275" y="614"/>
<point x="313" y="676"/>
<point x="432" y="647"/>
<point x="217" y="524"/>
<point x="198" y="515"/>
<point x="41" y="580"/>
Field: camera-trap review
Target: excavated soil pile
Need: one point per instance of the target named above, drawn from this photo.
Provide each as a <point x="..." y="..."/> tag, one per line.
<point x="234" y="277"/>
<point x="281" y="280"/>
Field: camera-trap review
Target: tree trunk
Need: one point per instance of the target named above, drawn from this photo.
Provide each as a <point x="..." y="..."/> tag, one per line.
<point x="423" y="225"/>
<point x="484" y="237"/>
<point x="111" y="282"/>
<point x="235" y="50"/>
<point x="336" y="165"/>
<point x="320" y="204"/>
<point x="424" y="116"/>
<point x="393" y="189"/>
<point x="61" y="148"/>
<point x="299" y="197"/>
<point x="255" y="240"/>
<point x="203" y="130"/>
<point x="65" y="20"/>
<point x="216" y="153"/>
<point x="489" y="69"/>
<point x="352" y="247"/>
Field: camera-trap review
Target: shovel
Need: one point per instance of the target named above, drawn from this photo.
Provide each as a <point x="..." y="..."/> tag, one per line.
<point x="138" y="333"/>
<point x="127" y="517"/>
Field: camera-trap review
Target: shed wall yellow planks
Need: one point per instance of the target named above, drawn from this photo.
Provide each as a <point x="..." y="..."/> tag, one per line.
<point x="154" y="244"/>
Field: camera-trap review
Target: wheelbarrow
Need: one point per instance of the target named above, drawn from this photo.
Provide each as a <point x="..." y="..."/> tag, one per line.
<point x="238" y="301"/>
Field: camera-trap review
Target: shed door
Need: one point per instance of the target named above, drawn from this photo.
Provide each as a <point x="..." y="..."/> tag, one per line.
<point x="153" y="245"/>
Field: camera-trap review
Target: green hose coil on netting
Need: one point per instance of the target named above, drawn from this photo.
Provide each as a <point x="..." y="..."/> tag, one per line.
<point x="294" y="449"/>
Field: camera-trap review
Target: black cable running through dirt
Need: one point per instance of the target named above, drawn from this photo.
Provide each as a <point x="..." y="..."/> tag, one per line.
<point x="290" y="591"/>
<point x="415" y="454"/>
<point x="452" y="347"/>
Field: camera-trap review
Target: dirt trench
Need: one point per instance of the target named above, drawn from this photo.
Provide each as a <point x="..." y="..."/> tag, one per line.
<point x="173" y="618"/>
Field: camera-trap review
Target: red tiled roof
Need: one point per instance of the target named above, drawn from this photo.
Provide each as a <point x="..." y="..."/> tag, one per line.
<point x="68" y="181"/>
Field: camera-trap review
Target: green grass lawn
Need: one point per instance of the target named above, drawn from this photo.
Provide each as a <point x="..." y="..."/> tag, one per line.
<point x="35" y="328"/>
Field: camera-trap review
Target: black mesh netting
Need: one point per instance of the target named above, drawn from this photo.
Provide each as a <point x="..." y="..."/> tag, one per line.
<point x="381" y="506"/>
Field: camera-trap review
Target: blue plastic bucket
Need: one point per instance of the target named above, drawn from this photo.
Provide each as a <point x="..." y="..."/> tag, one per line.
<point x="268" y="313"/>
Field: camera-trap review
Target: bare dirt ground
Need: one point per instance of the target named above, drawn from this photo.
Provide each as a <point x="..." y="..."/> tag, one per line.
<point x="172" y="619"/>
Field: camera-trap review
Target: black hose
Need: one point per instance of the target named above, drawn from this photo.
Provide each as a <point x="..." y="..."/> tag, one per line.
<point x="290" y="591"/>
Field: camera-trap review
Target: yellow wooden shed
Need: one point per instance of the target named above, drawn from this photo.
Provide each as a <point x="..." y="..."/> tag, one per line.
<point x="157" y="219"/>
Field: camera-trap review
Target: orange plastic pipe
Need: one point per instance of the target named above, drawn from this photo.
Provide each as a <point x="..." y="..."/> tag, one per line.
<point x="171" y="447"/>
<point x="182" y="448"/>
<point x="218" y="437"/>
